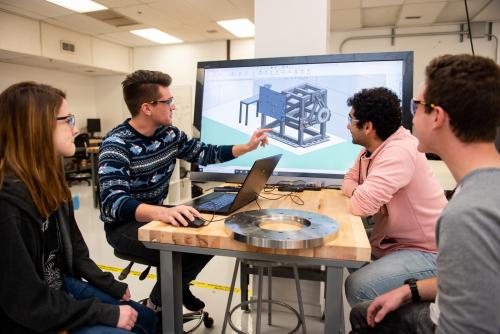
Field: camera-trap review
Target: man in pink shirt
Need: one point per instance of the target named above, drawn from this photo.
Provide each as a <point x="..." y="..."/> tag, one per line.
<point x="392" y="186"/>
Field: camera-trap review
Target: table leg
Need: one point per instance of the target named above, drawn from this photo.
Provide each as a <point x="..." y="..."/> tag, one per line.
<point x="171" y="291"/>
<point x="93" y="179"/>
<point x="334" y="310"/>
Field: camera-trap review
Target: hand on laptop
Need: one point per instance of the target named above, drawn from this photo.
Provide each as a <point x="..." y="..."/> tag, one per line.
<point x="177" y="215"/>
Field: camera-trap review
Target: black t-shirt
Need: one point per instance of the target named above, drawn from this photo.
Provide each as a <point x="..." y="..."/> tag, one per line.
<point x="52" y="253"/>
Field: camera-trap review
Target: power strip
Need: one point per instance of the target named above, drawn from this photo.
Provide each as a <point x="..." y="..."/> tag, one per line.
<point x="291" y="188"/>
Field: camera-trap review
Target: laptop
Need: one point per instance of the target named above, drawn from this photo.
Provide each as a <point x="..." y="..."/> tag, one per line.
<point x="224" y="203"/>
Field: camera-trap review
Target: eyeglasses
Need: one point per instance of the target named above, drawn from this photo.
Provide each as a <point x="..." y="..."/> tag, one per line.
<point x="169" y="102"/>
<point x="69" y="119"/>
<point x="351" y="119"/>
<point x="414" y="103"/>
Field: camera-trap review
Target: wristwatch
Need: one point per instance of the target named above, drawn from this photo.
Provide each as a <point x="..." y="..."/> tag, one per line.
<point x="412" y="283"/>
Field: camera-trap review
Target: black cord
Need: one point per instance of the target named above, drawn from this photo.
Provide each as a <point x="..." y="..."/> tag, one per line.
<point x="293" y="197"/>
<point x="468" y="24"/>
<point x="269" y="188"/>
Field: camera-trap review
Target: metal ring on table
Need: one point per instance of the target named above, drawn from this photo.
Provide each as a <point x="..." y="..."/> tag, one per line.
<point x="312" y="228"/>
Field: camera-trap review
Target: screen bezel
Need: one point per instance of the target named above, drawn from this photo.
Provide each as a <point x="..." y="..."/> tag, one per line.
<point x="327" y="179"/>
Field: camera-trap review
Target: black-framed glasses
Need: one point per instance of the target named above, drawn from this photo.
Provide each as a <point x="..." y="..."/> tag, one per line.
<point x="414" y="104"/>
<point x="169" y="102"/>
<point x="70" y="119"/>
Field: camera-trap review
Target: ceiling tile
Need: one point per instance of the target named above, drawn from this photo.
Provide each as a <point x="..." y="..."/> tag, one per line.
<point x="217" y="10"/>
<point x="184" y="12"/>
<point x="119" y="3"/>
<point x="83" y="23"/>
<point x="420" y="14"/>
<point x="21" y="11"/>
<point x="40" y="7"/>
<point x="127" y="39"/>
<point x="424" y="1"/>
<point x="345" y="19"/>
<point x="455" y="11"/>
<point x="380" y="16"/>
<point x="248" y="7"/>
<point x="345" y="4"/>
<point x="151" y="17"/>
<point x="490" y="13"/>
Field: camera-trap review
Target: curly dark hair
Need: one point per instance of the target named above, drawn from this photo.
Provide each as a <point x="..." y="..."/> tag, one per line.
<point x="380" y="106"/>
<point x="142" y="86"/>
<point x="468" y="89"/>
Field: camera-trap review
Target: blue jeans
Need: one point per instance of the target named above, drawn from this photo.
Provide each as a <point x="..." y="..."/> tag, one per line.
<point x="387" y="273"/>
<point x="146" y="318"/>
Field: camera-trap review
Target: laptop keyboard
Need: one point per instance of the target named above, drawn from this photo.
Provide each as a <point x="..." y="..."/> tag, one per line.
<point x="217" y="203"/>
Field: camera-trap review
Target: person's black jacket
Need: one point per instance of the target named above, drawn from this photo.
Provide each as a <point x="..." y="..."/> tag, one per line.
<point x="27" y="303"/>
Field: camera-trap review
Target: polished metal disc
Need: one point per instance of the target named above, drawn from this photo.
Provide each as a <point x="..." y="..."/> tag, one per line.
<point x="281" y="228"/>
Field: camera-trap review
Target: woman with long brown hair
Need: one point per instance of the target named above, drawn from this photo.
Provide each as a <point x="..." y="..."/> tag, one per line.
<point x="48" y="283"/>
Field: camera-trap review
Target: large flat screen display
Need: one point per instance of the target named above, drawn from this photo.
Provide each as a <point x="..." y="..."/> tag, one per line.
<point x="303" y="101"/>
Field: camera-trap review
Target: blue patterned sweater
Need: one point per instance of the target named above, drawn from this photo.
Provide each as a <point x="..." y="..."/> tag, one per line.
<point x="135" y="169"/>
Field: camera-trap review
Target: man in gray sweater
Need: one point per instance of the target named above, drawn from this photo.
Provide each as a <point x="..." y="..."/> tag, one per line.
<point x="455" y="116"/>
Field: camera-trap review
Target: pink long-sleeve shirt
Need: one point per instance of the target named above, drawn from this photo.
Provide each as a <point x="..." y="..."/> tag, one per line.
<point x="396" y="186"/>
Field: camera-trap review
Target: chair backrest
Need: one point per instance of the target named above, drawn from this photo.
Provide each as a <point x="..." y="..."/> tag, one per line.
<point x="81" y="143"/>
<point x="82" y="140"/>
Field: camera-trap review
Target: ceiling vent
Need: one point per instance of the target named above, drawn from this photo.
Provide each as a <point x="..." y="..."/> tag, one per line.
<point x="68" y="46"/>
<point x="111" y="17"/>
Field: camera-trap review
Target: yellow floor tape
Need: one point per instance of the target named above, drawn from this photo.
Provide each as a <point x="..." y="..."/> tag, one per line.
<point x="194" y="283"/>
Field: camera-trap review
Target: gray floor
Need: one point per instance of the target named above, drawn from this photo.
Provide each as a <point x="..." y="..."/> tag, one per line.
<point x="211" y="286"/>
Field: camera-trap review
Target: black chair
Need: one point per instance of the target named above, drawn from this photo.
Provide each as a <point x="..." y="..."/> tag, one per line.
<point x="199" y="317"/>
<point x="81" y="170"/>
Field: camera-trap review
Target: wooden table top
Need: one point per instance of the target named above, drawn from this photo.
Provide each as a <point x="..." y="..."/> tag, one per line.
<point x="93" y="149"/>
<point x="350" y="242"/>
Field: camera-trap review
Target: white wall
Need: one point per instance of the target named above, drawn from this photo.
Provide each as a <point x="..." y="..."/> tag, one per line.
<point x="179" y="61"/>
<point x="242" y="48"/>
<point x="425" y="47"/>
<point x="88" y="96"/>
<point x="80" y="89"/>
<point x="109" y="104"/>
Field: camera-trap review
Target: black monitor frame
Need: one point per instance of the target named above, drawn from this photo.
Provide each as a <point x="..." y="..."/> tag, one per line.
<point x="333" y="179"/>
<point x="93" y="125"/>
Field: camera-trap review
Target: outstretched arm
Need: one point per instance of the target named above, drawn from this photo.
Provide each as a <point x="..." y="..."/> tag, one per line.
<point x="259" y="137"/>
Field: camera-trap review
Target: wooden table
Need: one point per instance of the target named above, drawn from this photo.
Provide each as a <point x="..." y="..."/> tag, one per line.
<point x="95" y="141"/>
<point x="350" y="248"/>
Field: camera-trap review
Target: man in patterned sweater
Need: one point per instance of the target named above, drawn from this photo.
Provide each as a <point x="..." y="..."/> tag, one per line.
<point x="136" y="161"/>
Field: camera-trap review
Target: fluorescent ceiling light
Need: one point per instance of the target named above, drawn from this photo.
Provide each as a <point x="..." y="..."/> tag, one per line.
<point x="156" y="35"/>
<point x="81" y="6"/>
<point x="239" y="27"/>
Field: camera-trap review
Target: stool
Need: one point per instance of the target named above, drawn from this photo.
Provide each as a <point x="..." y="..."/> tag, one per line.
<point x="199" y="317"/>
<point x="260" y="265"/>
